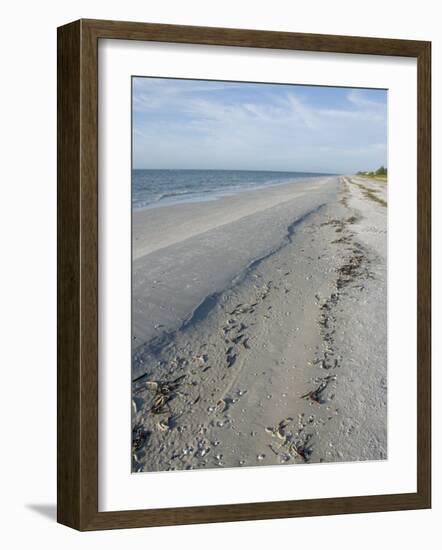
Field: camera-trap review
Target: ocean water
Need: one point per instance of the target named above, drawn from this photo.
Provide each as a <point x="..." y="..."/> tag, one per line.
<point x="154" y="188"/>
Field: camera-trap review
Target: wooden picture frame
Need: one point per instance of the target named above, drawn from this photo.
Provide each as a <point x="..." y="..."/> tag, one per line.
<point x="78" y="274"/>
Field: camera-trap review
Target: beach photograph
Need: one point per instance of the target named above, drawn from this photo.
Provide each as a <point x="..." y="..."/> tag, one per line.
<point x="259" y="274"/>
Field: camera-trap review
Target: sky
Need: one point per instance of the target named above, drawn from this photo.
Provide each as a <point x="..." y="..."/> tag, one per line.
<point x="197" y="124"/>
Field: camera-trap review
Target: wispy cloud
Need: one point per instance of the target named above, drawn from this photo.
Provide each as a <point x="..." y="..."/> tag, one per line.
<point x="203" y="124"/>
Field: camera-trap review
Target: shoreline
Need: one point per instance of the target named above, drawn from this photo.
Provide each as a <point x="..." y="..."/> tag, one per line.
<point x="220" y="194"/>
<point x="172" y="223"/>
<point x="289" y="363"/>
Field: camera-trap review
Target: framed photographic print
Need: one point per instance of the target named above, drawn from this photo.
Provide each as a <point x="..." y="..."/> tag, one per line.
<point x="243" y="274"/>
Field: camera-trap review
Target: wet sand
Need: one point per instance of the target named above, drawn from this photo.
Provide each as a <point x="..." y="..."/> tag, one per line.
<point x="259" y="326"/>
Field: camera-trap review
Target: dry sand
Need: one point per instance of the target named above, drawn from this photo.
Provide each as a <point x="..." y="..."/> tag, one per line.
<point x="260" y="328"/>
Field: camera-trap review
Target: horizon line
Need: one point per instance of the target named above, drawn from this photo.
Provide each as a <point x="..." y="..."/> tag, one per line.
<point x="246" y="170"/>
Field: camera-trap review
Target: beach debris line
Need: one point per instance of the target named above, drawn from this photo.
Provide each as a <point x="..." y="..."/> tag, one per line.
<point x="354" y="266"/>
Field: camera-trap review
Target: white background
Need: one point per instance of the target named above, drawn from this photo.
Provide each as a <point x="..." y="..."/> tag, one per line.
<point x="27" y="300"/>
<point x="118" y="489"/>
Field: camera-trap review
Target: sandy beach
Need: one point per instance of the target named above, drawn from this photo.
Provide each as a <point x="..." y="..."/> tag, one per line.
<point x="260" y="328"/>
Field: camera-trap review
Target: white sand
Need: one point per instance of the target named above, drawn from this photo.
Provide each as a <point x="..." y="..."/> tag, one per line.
<point x="186" y="252"/>
<point x="288" y="364"/>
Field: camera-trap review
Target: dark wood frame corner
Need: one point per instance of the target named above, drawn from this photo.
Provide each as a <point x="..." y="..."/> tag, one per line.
<point x="78" y="274"/>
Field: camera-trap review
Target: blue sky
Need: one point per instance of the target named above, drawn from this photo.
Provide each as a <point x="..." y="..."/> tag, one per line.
<point x="242" y="126"/>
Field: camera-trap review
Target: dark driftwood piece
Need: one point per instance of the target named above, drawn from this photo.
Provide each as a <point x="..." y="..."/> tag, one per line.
<point x="78" y="274"/>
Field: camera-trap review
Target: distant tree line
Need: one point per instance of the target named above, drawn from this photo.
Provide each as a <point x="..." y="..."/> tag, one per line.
<point x="382" y="171"/>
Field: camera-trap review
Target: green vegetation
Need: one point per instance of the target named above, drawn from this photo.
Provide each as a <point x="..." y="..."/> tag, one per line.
<point x="380" y="174"/>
